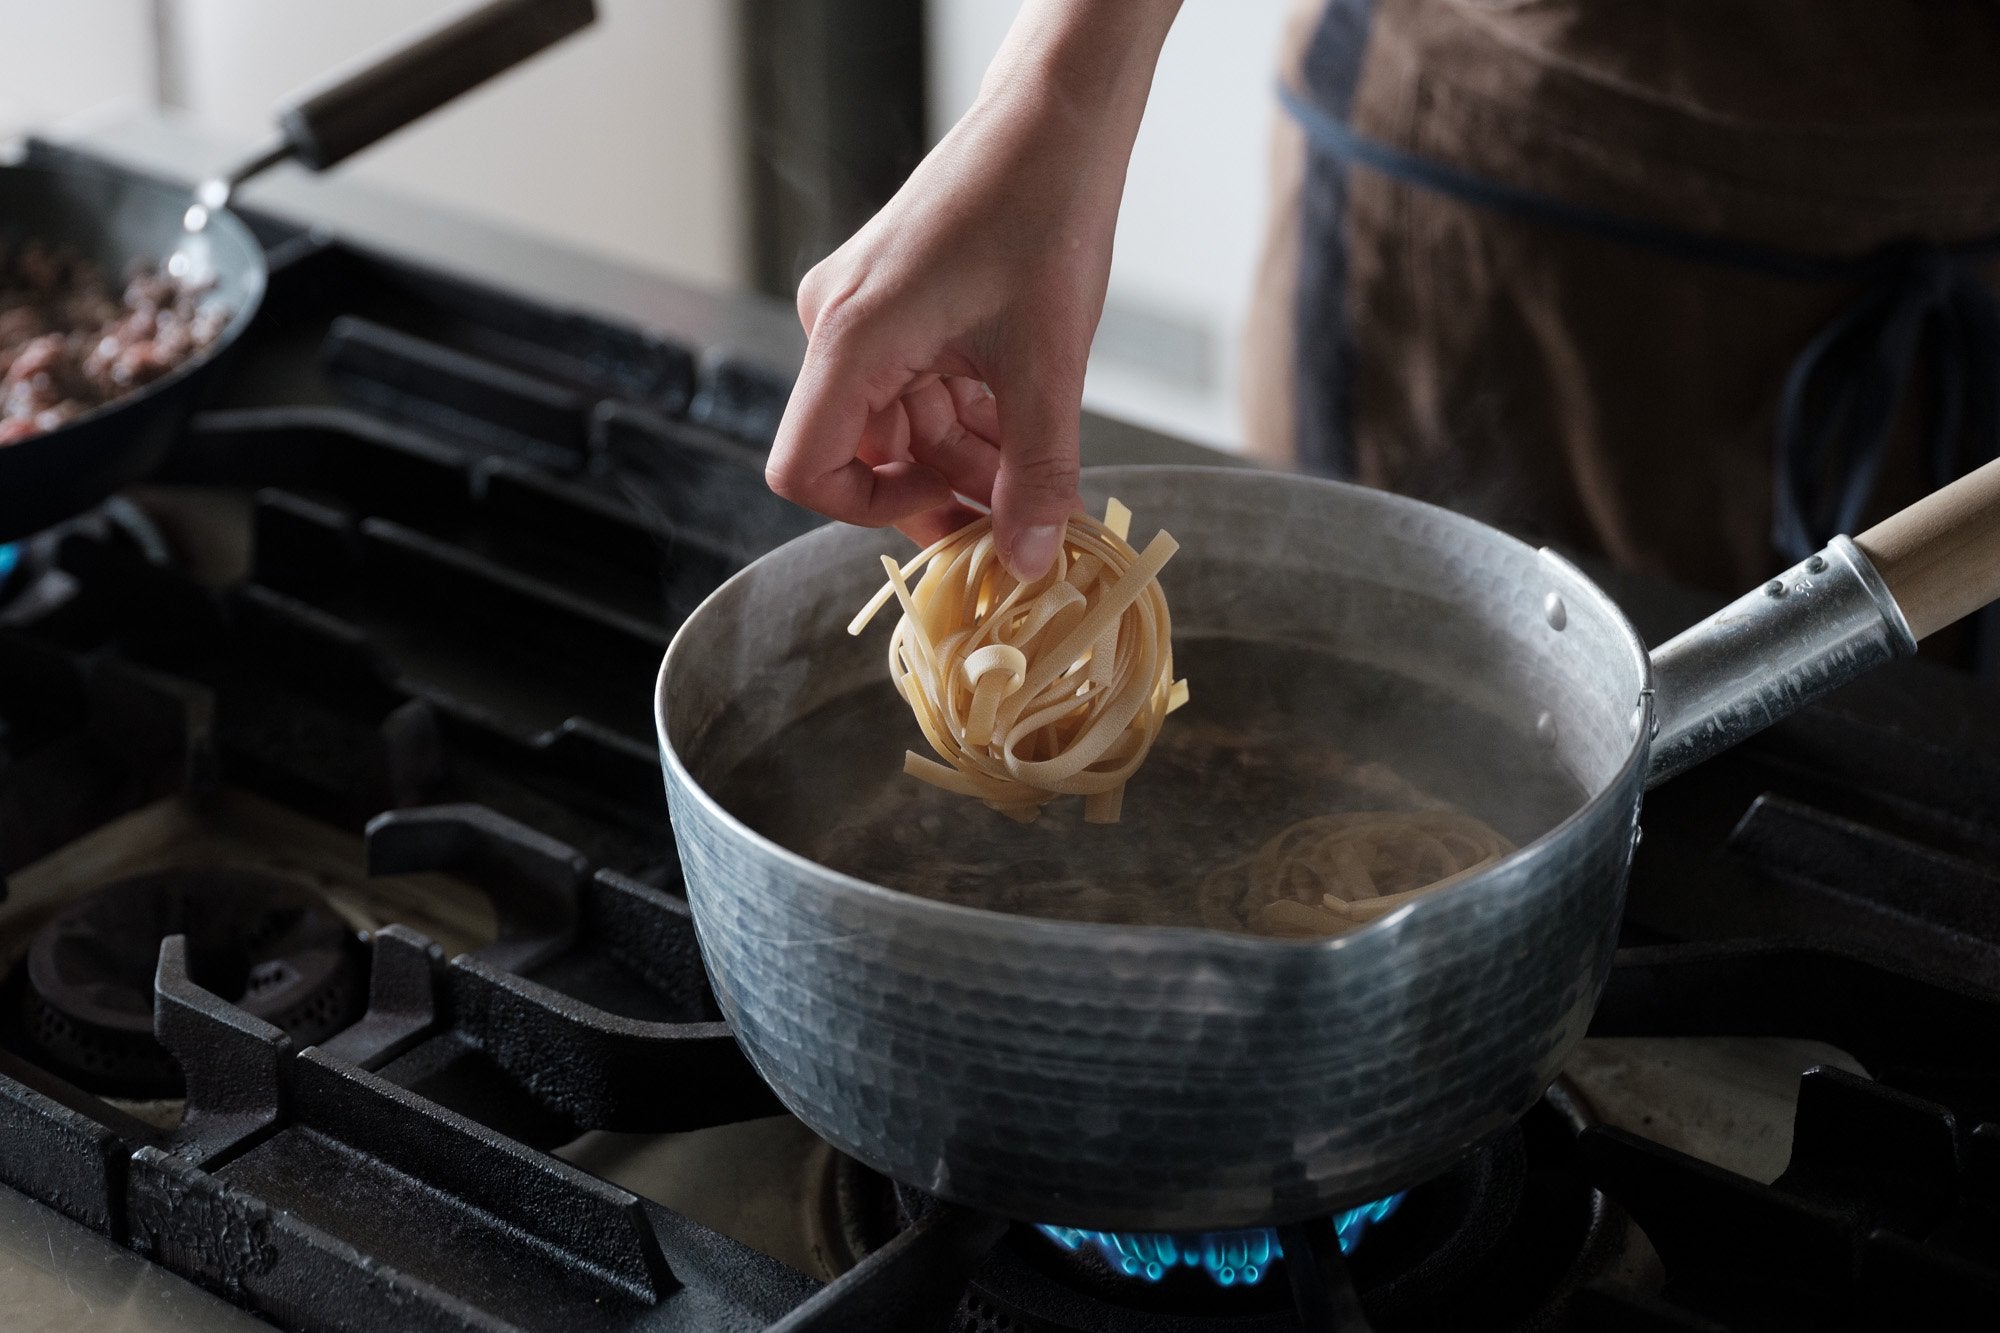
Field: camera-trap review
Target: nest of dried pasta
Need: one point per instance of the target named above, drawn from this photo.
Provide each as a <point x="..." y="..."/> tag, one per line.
<point x="1331" y="873"/>
<point x="1029" y="691"/>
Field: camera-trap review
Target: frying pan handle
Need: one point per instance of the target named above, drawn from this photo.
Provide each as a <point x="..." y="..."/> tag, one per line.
<point x="1823" y="622"/>
<point x="384" y="92"/>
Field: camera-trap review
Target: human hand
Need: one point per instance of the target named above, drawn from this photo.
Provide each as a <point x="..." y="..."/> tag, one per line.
<point x="947" y="338"/>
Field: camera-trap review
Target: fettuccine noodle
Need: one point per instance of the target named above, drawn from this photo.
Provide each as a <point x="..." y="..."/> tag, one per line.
<point x="1329" y="874"/>
<point x="1032" y="691"/>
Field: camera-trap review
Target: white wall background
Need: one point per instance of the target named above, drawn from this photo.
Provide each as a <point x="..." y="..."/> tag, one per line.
<point x="57" y="59"/>
<point x="624" y="140"/>
<point x="1189" y="233"/>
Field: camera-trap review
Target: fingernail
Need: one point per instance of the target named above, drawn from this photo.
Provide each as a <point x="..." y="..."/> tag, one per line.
<point x="1035" y="551"/>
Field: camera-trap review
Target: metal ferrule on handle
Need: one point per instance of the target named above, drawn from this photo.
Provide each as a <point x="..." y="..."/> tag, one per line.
<point x="1768" y="653"/>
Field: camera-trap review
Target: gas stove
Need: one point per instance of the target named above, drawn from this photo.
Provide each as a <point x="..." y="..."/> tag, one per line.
<point x="345" y="977"/>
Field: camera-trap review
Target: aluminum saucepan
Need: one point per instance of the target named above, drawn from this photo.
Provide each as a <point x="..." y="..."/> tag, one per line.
<point x="115" y="219"/>
<point x="1172" y="1077"/>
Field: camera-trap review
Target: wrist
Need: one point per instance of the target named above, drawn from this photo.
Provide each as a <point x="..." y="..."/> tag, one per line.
<point x="1092" y="58"/>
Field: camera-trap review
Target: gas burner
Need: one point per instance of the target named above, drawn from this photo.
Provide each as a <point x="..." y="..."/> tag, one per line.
<point x="33" y="582"/>
<point x="1497" y="1241"/>
<point x="1227" y="1257"/>
<point x="27" y="587"/>
<point x="263" y="943"/>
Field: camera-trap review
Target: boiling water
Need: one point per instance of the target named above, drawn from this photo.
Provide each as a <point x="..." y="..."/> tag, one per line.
<point x="1272" y="734"/>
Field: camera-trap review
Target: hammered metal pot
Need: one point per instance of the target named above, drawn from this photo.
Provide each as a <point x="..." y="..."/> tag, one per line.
<point x="1123" y="1077"/>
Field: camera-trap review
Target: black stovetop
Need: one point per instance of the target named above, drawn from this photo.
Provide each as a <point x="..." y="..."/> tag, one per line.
<point x="354" y="695"/>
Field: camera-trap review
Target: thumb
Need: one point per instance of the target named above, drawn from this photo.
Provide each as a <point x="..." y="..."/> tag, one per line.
<point x="1035" y="489"/>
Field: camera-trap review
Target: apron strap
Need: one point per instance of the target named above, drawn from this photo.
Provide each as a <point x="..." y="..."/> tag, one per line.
<point x="1342" y="142"/>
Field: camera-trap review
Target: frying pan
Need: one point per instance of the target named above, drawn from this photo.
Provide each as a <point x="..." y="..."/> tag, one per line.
<point x="114" y="220"/>
<point x="1174" y="1077"/>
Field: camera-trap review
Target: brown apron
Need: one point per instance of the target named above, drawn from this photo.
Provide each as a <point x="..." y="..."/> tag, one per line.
<point x="1602" y="396"/>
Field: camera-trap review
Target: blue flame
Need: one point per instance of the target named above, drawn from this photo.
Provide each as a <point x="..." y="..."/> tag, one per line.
<point x="10" y="556"/>
<point x="1230" y="1258"/>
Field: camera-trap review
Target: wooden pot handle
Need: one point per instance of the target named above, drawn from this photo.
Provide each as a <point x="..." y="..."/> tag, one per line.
<point x="1941" y="556"/>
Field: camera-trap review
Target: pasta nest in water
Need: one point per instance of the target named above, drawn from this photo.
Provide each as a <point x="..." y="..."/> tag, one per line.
<point x="1331" y="873"/>
<point x="1029" y="691"/>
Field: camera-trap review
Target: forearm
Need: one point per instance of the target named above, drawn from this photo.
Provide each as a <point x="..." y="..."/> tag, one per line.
<point x="1094" y="56"/>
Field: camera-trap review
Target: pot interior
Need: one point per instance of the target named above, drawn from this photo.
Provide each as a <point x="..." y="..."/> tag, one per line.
<point x="1346" y="650"/>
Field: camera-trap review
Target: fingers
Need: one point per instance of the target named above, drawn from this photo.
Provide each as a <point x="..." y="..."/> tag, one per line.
<point x="816" y="459"/>
<point x="885" y="438"/>
<point x="941" y="438"/>
<point x="923" y="428"/>
<point x="933" y="524"/>
<point x="977" y="407"/>
<point x="1035" y="489"/>
<point x="870" y="437"/>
